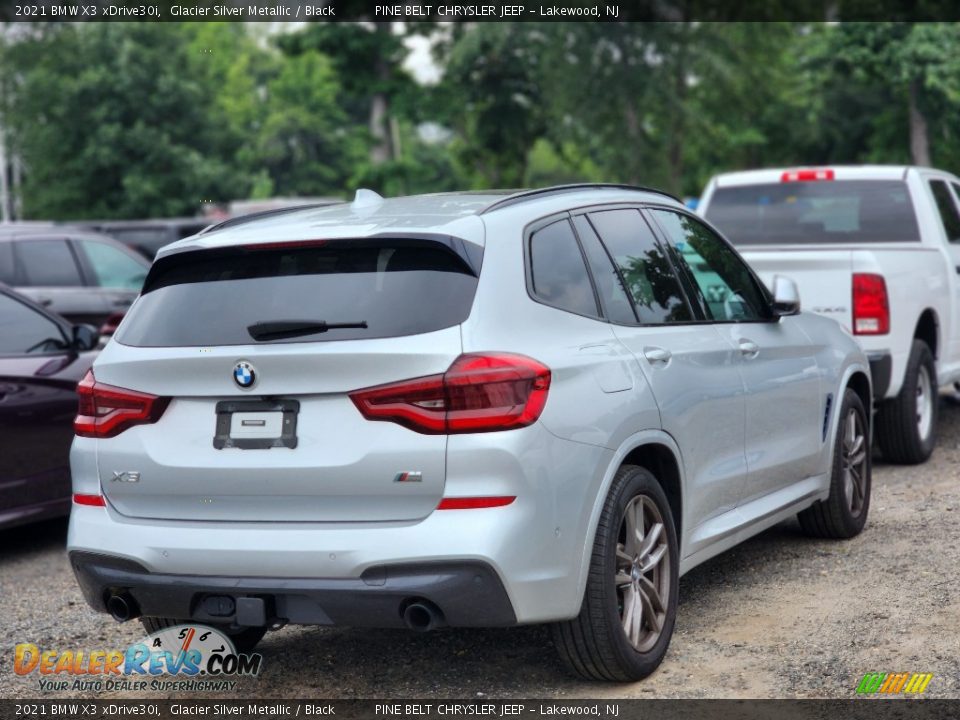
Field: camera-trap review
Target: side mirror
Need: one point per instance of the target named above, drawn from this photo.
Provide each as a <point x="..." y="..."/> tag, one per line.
<point x="85" y="337"/>
<point x="786" y="297"/>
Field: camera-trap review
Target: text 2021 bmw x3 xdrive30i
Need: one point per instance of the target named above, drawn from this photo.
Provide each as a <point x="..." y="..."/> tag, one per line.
<point x="460" y="409"/>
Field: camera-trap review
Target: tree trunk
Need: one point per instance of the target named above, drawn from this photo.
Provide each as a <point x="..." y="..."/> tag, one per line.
<point x="919" y="137"/>
<point x="382" y="149"/>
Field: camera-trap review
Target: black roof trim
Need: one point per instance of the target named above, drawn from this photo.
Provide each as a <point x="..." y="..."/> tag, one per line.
<point x="525" y="195"/>
<point x="252" y="217"/>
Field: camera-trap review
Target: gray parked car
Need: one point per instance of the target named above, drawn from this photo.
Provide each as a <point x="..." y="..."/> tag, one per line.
<point x="473" y="409"/>
<point x="83" y="276"/>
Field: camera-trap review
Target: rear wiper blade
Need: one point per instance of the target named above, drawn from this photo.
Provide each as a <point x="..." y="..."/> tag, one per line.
<point x="282" y="329"/>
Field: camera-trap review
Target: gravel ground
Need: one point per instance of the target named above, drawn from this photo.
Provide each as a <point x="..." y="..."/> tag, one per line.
<point x="779" y="616"/>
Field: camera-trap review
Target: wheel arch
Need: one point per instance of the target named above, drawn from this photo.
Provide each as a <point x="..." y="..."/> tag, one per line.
<point x="928" y="330"/>
<point x="659" y="453"/>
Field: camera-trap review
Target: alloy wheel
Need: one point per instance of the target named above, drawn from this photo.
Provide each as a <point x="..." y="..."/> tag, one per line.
<point x="925" y="400"/>
<point x="854" y="461"/>
<point x="643" y="573"/>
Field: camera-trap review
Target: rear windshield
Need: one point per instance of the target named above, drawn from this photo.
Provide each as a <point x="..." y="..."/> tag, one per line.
<point x="212" y="297"/>
<point x="845" y="211"/>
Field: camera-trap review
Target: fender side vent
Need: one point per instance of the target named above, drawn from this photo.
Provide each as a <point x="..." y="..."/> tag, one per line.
<point x="826" y="415"/>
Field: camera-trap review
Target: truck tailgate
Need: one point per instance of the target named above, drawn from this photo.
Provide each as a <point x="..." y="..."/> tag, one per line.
<point x="822" y="274"/>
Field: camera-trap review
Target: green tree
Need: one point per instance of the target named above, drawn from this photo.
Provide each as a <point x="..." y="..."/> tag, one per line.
<point x="110" y="122"/>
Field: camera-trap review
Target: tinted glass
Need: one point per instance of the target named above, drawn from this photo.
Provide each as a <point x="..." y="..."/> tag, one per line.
<point x="25" y="331"/>
<point x="113" y="268"/>
<point x="211" y="297"/>
<point x="615" y="302"/>
<point x="557" y="271"/>
<point x="643" y="265"/>
<point x="7" y="274"/>
<point x="947" y="208"/>
<point x="726" y="285"/>
<point x="855" y="211"/>
<point x="46" y="263"/>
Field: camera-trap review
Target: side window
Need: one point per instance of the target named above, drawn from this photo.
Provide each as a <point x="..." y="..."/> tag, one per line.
<point x="46" y="263"/>
<point x="114" y="268"/>
<point x="557" y="271"/>
<point x="25" y="331"/>
<point x="614" y="300"/>
<point x="729" y="290"/>
<point x="947" y="208"/>
<point x="643" y="266"/>
<point x="7" y="274"/>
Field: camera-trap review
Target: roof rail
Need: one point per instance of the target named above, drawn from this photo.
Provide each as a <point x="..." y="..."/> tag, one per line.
<point x="251" y="217"/>
<point x="525" y="195"/>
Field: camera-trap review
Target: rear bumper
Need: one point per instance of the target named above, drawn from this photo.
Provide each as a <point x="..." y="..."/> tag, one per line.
<point x="468" y="594"/>
<point x="881" y="370"/>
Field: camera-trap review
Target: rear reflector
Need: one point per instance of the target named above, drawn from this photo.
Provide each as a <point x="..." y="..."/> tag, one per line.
<point x="106" y="411"/>
<point x="806" y="175"/>
<point x="474" y="503"/>
<point x="871" y="309"/>
<point x="480" y="392"/>
<point x="91" y="500"/>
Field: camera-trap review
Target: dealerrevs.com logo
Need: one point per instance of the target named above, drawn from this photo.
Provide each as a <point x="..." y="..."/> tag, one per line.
<point x="180" y="658"/>
<point x="894" y="683"/>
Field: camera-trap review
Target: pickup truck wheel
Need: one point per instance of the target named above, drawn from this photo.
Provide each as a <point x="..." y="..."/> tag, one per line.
<point x="844" y="513"/>
<point x="907" y="425"/>
<point x="630" y="604"/>
<point x="244" y="640"/>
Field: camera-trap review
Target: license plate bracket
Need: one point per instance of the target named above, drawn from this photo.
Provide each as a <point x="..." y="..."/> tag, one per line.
<point x="260" y="412"/>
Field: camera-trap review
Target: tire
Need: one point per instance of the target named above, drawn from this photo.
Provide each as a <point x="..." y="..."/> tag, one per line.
<point x="244" y="640"/>
<point x="844" y="513"/>
<point x="907" y="425"/>
<point x="594" y="644"/>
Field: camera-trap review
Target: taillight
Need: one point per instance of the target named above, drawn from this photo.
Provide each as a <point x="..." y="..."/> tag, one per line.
<point x="106" y="411"/>
<point x="480" y="392"/>
<point x="806" y="175"/>
<point x="871" y="309"/>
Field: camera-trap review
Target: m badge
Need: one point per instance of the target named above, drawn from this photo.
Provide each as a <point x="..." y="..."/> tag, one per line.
<point x="409" y="476"/>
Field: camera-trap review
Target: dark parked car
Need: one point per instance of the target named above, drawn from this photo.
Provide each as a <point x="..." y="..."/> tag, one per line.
<point x="83" y="276"/>
<point x="148" y="236"/>
<point x="42" y="357"/>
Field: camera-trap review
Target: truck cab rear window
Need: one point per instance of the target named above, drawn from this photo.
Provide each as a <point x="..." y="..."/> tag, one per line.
<point x="213" y="297"/>
<point x="843" y="211"/>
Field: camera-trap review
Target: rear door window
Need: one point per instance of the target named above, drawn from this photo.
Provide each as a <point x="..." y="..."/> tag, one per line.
<point x="558" y="274"/>
<point x="213" y="297"/>
<point x="112" y="267"/>
<point x="46" y="263"/>
<point x="947" y="209"/>
<point x="610" y="287"/>
<point x="818" y="212"/>
<point x="643" y="266"/>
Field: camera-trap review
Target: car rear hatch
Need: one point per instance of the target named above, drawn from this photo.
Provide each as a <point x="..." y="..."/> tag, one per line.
<point x="810" y="226"/>
<point x="292" y="446"/>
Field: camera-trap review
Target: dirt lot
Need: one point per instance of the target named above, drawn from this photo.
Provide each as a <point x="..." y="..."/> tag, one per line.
<point x="779" y="616"/>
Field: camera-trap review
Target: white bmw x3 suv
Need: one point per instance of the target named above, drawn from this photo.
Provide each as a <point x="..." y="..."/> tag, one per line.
<point x="471" y="409"/>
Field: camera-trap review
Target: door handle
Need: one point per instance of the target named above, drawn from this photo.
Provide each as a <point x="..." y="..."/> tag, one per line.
<point x="749" y="349"/>
<point x="45" y="301"/>
<point x="122" y="303"/>
<point x="657" y="355"/>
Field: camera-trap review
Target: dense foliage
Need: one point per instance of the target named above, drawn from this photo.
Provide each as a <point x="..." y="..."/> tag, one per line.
<point x="136" y="120"/>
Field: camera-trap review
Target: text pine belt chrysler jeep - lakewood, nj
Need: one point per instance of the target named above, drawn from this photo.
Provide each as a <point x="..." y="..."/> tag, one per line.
<point x="470" y="409"/>
<point x="876" y="248"/>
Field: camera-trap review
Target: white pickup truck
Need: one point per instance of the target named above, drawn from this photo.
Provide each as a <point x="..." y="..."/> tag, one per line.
<point x="876" y="248"/>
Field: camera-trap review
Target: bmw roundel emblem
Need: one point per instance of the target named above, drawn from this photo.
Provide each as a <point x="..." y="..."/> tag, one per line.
<point x="244" y="374"/>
